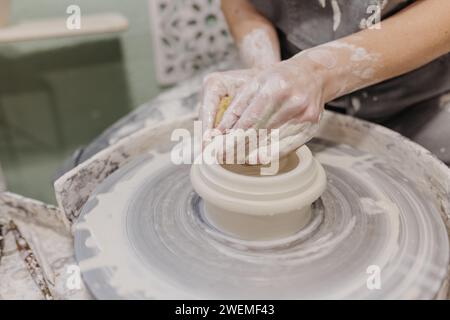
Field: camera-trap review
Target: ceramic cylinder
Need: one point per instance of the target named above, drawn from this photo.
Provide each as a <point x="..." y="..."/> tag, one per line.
<point x="260" y="207"/>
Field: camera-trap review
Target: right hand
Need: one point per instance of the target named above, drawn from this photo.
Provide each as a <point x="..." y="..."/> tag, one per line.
<point x="218" y="85"/>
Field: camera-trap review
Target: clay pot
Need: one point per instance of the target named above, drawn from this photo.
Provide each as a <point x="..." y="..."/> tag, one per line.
<point x="252" y="207"/>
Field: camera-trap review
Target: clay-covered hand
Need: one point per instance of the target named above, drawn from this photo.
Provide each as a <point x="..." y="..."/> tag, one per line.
<point x="288" y="96"/>
<point x="258" y="49"/>
<point x="218" y="85"/>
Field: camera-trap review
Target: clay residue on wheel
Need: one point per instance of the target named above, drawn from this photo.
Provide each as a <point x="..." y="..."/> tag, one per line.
<point x="157" y="244"/>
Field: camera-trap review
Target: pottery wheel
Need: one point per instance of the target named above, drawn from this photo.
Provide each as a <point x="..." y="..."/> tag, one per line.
<point x="143" y="234"/>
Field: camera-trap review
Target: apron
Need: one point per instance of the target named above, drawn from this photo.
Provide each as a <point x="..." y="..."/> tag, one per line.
<point x="303" y="24"/>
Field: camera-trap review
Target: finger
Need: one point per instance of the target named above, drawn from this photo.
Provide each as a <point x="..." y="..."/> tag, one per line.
<point x="223" y="106"/>
<point x="291" y="143"/>
<point x="235" y="147"/>
<point x="312" y="114"/>
<point x="237" y="106"/>
<point x="288" y="138"/>
<point x="296" y="134"/>
<point x="289" y="110"/>
<point x="298" y="127"/>
<point x="268" y="148"/>
<point x="210" y="100"/>
<point x="269" y="98"/>
<point x="276" y="150"/>
<point x="257" y="113"/>
<point x="259" y="154"/>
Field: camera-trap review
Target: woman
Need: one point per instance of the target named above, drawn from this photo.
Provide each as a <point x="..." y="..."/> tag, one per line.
<point x="382" y="60"/>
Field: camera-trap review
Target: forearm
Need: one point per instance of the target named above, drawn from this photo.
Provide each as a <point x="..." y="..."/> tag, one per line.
<point x="255" y="36"/>
<point x="410" y="39"/>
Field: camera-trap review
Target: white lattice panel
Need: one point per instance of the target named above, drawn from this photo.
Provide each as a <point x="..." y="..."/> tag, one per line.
<point x="188" y="35"/>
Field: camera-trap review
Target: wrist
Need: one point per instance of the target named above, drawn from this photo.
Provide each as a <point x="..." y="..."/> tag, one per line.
<point x="258" y="49"/>
<point x="335" y="84"/>
<point x="341" y="67"/>
<point x="321" y="66"/>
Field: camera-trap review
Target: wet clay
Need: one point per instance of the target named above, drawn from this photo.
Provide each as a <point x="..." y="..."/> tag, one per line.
<point x="145" y="233"/>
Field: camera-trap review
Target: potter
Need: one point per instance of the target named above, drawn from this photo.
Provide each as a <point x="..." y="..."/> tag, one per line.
<point x="377" y="60"/>
<point x="141" y="229"/>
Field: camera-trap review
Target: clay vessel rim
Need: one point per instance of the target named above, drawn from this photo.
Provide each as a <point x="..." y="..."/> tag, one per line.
<point x="263" y="208"/>
<point x="305" y="162"/>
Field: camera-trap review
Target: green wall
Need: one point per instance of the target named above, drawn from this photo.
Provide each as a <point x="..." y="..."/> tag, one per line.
<point x="56" y="95"/>
<point x="135" y="43"/>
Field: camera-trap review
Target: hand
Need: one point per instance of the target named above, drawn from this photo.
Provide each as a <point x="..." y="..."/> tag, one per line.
<point x="258" y="48"/>
<point x="218" y="85"/>
<point x="289" y="96"/>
